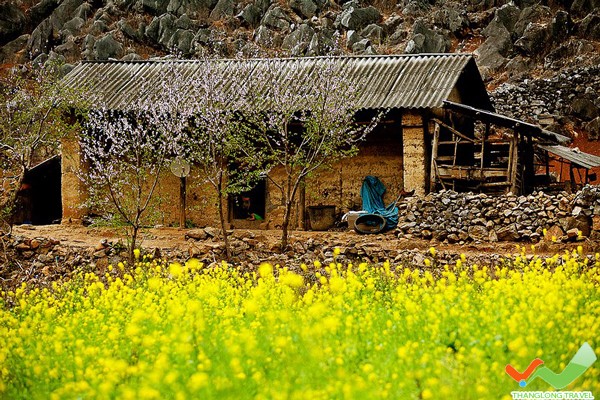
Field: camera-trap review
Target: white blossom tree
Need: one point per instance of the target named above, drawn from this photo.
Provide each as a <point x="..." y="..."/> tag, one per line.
<point x="303" y="119"/>
<point x="35" y="112"/>
<point x="127" y="150"/>
<point x="216" y="139"/>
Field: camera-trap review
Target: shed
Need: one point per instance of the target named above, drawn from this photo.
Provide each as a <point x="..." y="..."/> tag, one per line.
<point x="429" y="138"/>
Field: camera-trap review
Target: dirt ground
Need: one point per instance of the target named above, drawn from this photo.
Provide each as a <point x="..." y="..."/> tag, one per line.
<point x="170" y="238"/>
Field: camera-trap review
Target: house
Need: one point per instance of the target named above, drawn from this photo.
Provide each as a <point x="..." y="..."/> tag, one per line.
<point x="440" y="131"/>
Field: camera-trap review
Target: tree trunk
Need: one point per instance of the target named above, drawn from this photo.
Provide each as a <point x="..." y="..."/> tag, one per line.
<point x="134" y="234"/>
<point x="284" y="227"/>
<point x="222" y="218"/>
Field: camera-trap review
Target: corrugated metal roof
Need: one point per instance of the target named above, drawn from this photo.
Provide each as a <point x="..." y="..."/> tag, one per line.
<point x="388" y="81"/>
<point x="576" y="156"/>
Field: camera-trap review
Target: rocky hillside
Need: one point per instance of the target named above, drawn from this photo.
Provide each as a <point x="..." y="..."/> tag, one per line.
<point x="541" y="59"/>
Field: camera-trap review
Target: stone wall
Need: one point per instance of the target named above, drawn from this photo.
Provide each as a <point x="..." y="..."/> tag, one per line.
<point x="453" y="217"/>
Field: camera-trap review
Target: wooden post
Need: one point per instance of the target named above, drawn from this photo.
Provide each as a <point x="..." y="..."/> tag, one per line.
<point x="485" y="136"/>
<point x="302" y="210"/>
<point x="182" y="195"/>
<point x="434" y="154"/>
<point x="513" y="162"/>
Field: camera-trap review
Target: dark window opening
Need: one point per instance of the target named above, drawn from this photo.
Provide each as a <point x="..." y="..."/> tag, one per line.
<point x="250" y="205"/>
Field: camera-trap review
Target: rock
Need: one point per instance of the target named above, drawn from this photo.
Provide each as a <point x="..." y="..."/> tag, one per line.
<point x="533" y="14"/>
<point x="589" y="27"/>
<point x="297" y="42"/>
<point x="562" y="26"/>
<point x="583" y="7"/>
<point x="451" y="19"/>
<point x="507" y="15"/>
<point x="508" y="233"/>
<point x="72" y="27"/>
<point x="12" y="22"/>
<point x="107" y="47"/>
<point x="154" y="7"/>
<point x="361" y="46"/>
<point x="374" y="33"/>
<point x="195" y="9"/>
<point x="40" y="38"/>
<point x="250" y="15"/>
<point x="224" y="8"/>
<point x="182" y="41"/>
<point x="358" y="18"/>
<point x="212" y="232"/>
<point x="426" y="41"/>
<point x="352" y="37"/>
<point x="304" y="8"/>
<point x="593" y="129"/>
<point x="277" y="19"/>
<point x="478" y="233"/>
<point x="535" y="39"/>
<point x="584" y="108"/>
<point x="12" y="52"/>
<point x="573" y="233"/>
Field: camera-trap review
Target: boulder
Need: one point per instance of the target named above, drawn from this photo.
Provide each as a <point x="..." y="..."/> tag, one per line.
<point x="297" y="42"/>
<point x="276" y="19"/>
<point x="107" y="47"/>
<point x="562" y="25"/>
<point x="41" y="11"/>
<point x="73" y="27"/>
<point x="182" y="41"/>
<point x="224" y="8"/>
<point x="13" y="52"/>
<point x="584" y="108"/>
<point x="154" y="7"/>
<point x="167" y="25"/>
<point x="583" y="7"/>
<point x="451" y="19"/>
<point x="374" y="33"/>
<point x="426" y="40"/>
<point x="39" y="40"/>
<point x="533" y="14"/>
<point x="507" y="15"/>
<point x="593" y="129"/>
<point x="355" y="18"/>
<point x="535" y="39"/>
<point x="250" y="15"/>
<point x="12" y="22"/>
<point x="195" y="9"/>
<point x="589" y="27"/>
<point x="304" y="8"/>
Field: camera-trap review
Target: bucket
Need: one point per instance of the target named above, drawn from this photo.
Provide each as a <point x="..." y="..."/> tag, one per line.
<point x="321" y="218"/>
<point x="369" y="223"/>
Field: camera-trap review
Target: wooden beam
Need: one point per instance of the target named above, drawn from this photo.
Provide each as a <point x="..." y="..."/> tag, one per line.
<point x="454" y="131"/>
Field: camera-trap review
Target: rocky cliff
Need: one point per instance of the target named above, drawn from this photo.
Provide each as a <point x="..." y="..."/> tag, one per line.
<point x="540" y="59"/>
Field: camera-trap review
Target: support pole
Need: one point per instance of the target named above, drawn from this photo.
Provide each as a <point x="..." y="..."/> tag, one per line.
<point x="182" y="195"/>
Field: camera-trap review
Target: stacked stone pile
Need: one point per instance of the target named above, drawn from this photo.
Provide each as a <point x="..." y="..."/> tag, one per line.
<point x="465" y="217"/>
<point x="572" y="94"/>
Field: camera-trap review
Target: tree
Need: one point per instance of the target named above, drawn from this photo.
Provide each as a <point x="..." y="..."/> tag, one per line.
<point x="36" y="111"/>
<point x="303" y="120"/>
<point x="215" y="137"/>
<point x="127" y="150"/>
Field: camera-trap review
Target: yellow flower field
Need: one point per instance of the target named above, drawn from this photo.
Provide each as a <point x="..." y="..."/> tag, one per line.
<point x="318" y="332"/>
